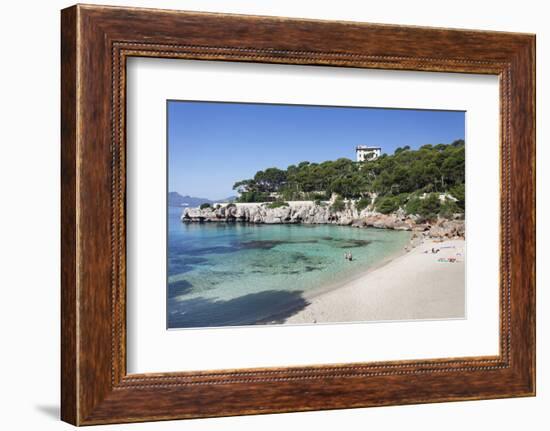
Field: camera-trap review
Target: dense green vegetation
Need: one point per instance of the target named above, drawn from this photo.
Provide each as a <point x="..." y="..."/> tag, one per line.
<point x="362" y="203"/>
<point x="387" y="204"/>
<point x="338" y="205"/>
<point x="399" y="180"/>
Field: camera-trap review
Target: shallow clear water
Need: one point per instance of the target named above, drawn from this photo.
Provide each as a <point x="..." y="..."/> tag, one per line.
<point x="223" y="274"/>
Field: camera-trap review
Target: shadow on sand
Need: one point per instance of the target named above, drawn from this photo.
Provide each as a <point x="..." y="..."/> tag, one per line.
<point x="271" y="306"/>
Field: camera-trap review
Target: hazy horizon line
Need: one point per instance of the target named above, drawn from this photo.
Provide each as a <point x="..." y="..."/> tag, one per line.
<point x="184" y="195"/>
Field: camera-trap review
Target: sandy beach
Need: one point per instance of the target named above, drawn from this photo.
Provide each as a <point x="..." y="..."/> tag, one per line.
<point x="416" y="285"/>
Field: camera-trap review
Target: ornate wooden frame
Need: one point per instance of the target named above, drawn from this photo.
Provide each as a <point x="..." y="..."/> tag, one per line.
<point x="95" y="42"/>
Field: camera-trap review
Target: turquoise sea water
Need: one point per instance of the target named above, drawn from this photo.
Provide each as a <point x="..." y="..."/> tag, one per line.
<point x="223" y="274"/>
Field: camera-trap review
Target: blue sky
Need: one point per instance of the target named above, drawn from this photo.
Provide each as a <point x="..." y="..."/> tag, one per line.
<point x="212" y="145"/>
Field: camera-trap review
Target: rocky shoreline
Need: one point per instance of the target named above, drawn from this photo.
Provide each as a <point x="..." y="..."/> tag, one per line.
<point x="309" y="212"/>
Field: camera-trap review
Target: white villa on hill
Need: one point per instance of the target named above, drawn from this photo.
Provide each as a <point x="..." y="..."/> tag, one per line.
<point x="366" y="154"/>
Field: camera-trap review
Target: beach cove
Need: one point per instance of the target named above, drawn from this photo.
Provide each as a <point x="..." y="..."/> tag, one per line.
<point x="235" y="273"/>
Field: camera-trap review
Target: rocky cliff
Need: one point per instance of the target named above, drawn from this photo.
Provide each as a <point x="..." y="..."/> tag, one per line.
<point x="308" y="212"/>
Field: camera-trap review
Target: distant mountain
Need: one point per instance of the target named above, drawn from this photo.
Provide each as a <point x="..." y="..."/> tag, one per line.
<point x="177" y="200"/>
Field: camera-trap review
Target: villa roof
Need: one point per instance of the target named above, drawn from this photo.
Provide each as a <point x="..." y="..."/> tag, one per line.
<point x="365" y="147"/>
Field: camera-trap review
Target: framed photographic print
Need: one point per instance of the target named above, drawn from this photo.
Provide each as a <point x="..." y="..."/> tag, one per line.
<point x="267" y="215"/>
